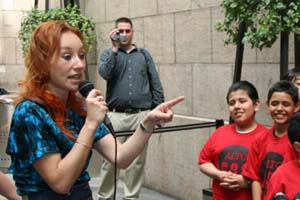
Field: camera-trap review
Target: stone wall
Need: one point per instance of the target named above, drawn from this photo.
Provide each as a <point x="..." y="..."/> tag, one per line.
<point x="11" y="63"/>
<point x="11" y="58"/>
<point x="190" y="54"/>
<point x="192" y="61"/>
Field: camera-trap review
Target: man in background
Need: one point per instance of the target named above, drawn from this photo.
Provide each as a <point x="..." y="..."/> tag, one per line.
<point x="133" y="89"/>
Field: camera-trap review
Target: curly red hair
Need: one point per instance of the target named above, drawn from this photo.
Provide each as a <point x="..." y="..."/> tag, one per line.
<point x="44" y="47"/>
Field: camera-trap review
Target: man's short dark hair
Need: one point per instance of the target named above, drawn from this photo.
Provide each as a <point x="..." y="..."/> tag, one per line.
<point x="124" y="20"/>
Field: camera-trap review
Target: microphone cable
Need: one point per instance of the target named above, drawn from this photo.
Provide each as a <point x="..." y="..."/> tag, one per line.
<point x="115" y="166"/>
<point x="84" y="88"/>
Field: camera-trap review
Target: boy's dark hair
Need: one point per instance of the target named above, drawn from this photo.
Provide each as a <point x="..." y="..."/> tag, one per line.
<point x="290" y="75"/>
<point x="125" y="20"/>
<point x="294" y="128"/>
<point x="245" y="86"/>
<point x="284" y="86"/>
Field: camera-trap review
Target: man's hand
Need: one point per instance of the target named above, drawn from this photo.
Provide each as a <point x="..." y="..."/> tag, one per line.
<point x="115" y="43"/>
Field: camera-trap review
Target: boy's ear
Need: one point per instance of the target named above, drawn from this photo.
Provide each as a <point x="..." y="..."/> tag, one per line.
<point x="257" y="105"/>
<point x="267" y="104"/>
<point x="296" y="146"/>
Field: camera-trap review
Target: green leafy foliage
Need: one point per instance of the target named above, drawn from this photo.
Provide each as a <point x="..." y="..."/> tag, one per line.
<point x="70" y="15"/>
<point x="265" y="19"/>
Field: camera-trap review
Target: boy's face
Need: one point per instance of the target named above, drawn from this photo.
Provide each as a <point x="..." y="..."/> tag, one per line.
<point x="296" y="81"/>
<point x="241" y="107"/>
<point x="281" y="107"/>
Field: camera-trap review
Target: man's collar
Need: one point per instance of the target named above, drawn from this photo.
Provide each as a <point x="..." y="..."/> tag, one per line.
<point x="133" y="48"/>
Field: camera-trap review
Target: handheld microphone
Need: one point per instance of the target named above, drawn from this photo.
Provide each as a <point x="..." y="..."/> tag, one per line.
<point x="279" y="196"/>
<point x="84" y="88"/>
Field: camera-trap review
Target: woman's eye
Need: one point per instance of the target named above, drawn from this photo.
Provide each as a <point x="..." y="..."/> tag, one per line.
<point x="67" y="57"/>
<point x="82" y="56"/>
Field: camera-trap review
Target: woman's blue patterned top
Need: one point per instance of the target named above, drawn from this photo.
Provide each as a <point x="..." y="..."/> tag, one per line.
<point x="34" y="134"/>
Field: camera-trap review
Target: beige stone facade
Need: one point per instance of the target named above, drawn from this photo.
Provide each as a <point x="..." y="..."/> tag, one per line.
<point x="191" y="59"/>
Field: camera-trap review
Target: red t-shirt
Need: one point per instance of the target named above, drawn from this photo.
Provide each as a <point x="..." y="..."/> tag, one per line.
<point x="227" y="150"/>
<point x="285" y="179"/>
<point x="267" y="152"/>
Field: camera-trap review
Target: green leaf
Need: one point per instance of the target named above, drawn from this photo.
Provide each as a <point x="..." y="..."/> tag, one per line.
<point x="70" y="15"/>
<point x="265" y="19"/>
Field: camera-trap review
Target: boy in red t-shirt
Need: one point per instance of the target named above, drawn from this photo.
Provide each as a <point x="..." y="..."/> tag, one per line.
<point x="225" y="152"/>
<point x="272" y="148"/>
<point x="286" y="177"/>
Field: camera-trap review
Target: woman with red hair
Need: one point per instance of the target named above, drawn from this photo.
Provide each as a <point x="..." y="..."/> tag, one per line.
<point x="53" y="131"/>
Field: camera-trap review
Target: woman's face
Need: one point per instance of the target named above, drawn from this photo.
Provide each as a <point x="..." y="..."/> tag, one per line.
<point x="68" y="69"/>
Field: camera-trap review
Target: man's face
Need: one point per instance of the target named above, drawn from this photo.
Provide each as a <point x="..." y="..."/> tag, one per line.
<point x="125" y="29"/>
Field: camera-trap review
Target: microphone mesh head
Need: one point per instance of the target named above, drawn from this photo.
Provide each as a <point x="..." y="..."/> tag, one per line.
<point x="85" y="87"/>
